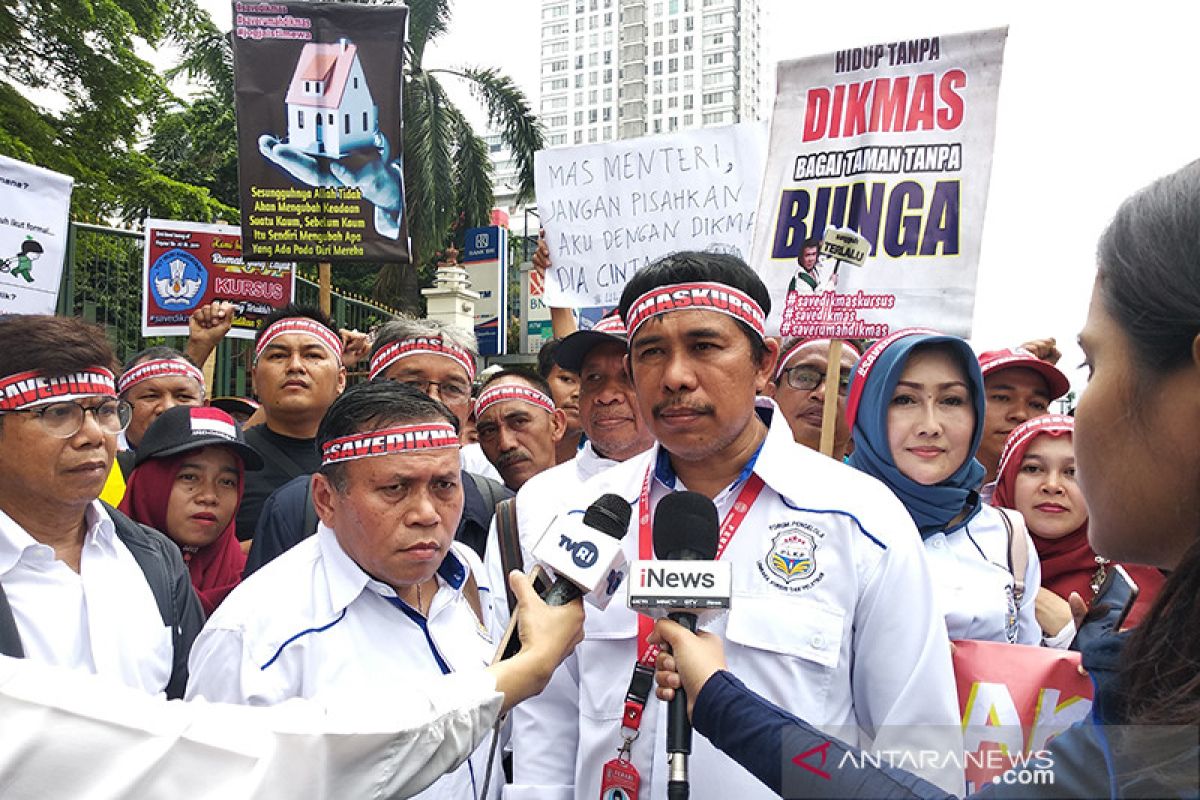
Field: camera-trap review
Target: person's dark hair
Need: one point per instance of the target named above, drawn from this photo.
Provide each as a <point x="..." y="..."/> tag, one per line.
<point x="154" y="353"/>
<point x="371" y="406"/>
<point x="545" y="362"/>
<point x="810" y="243"/>
<point x="524" y="374"/>
<point x="694" y="267"/>
<point x="1149" y="282"/>
<point x="295" y="310"/>
<point x="56" y="346"/>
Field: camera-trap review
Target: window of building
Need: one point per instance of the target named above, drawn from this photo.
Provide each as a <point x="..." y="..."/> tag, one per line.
<point x="578" y="118"/>
<point x="714" y="58"/>
<point x="608" y="95"/>
<point x="658" y="29"/>
<point x="688" y="120"/>
<point x="688" y="101"/>
<point x="673" y="46"/>
<point x="673" y="65"/>
<point x="593" y="59"/>
<point x="658" y="48"/>
<point x="579" y="81"/>
<point x="592" y="116"/>
<point x="658" y="126"/>
<point x="688" y="23"/>
<point x="673" y="123"/>
<point x="658" y="68"/>
<point x="658" y="106"/>
<point x="592" y="78"/>
<point x="556" y="139"/>
<point x="672" y="102"/>
<point x="579" y="137"/>
<point x="672" y="84"/>
<point x="688" y="82"/>
<point x="608" y="76"/>
<point x="673" y="26"/>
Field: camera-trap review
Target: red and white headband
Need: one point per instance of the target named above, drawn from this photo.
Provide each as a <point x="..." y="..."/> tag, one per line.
<point x="309" y="327"/>
<point x="867" y="362"/>
<point x="703" y="296"/>
<point x="611" y="324"/>
<point x="512" y="391"/>
<point x="417" y="346"/>
<point x="389" y="442"/>
<point x="32" y="388"/>
<point x="159" y="368"/>
<point x="1023" y="433"/>
<point x="791" y="351"/>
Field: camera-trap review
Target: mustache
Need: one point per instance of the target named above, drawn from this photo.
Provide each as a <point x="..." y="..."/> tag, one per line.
<point x="512" y="457"/>
<point x="679" y="405"/>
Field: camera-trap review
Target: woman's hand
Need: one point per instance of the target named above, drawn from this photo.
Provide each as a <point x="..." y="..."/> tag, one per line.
<point x="692" y="660"/>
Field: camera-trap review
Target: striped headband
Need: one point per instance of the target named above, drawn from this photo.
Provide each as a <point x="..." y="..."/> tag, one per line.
<point x="1047" y="423"/>
<point x="389" y="442"/>
<point x="783" y="359"/>
<point x="418" y="346"/>
<point x="32" y="388"/>
<point x="159" y="368"/>
<point x="512" y="391"/>
<point x="863" y="368"/>
<point x="309" y="327"/>
<point x="612" y="324"/>
<point x="705" y="296"/>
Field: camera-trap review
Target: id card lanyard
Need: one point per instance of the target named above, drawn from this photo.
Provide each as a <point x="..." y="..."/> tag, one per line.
<point x="619" y="774"/>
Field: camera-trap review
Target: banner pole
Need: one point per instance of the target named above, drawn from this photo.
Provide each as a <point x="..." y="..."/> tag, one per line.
<point x="833" y="376"/>
<point x="324" y="285"/>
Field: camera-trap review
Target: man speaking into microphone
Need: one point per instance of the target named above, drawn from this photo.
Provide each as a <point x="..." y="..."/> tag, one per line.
<point x="831" y="615"/>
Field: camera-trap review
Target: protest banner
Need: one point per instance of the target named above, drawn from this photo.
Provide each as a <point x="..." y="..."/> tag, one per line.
<point x="609" y="209"/>
<point x="189" y="264"/>
<point x="892" y="141"/>
<point x="35" y="208"/>
<point x="317" y="89"/>
<point x="485" y="258"/>
<point x="1014" y="699"/>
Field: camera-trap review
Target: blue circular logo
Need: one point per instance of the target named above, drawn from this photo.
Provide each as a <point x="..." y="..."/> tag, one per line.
<point x="585" y="555"/>
<point x="178" y="280"/>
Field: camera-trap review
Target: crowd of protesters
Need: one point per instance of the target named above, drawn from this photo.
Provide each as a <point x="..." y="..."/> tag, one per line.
<point x="358" y="530"/>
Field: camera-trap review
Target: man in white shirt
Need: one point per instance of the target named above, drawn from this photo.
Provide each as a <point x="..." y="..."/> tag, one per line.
<point x="381" y="592"/>
<point x="832" y="617"/>
<point x="81" y="585"/>
<point x="519" y="425"/>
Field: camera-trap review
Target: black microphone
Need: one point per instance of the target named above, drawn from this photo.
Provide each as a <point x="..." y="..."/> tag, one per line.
<point x="685" y="529"/>
<point x="608" y="515"/>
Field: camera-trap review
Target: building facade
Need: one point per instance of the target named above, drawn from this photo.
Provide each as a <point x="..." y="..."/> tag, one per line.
<point x="618" y="69"/>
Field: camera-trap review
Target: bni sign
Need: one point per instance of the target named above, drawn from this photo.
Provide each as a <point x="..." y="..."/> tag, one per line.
<point x="485" y="257"/>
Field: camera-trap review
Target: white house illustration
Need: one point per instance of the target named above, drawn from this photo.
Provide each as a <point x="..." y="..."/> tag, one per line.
<point x="329" y="107"/>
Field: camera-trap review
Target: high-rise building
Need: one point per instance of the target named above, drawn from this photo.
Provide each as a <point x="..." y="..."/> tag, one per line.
<point x="616" y="69"/>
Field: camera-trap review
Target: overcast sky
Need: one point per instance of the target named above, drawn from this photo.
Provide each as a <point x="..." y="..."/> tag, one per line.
<point x="1096" y="100"/>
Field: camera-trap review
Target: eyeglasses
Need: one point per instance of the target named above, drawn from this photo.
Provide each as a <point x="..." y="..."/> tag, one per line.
<point x="64" y="420"/>
<point x="449" y="393"/>
<point x="804" y="378"/>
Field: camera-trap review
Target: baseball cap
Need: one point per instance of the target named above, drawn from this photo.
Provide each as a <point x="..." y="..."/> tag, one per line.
<point x="183" y="428"/>
<point x="996" y="360"/>
<point x="243" y="405"/>
<point x="574" y="349"/>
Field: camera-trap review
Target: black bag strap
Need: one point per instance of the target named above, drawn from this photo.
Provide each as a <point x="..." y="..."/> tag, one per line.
<point x="10" y="639"/>
<point x="310" y="511"/>
<point x="272" y="452"/>
<point x="491" y="491"/>
<point x="508" y="537"/>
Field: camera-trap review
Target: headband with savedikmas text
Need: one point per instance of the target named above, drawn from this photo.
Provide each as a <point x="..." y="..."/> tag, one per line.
<point x="702" y="296"/>
<point x="417" y="346"/>
<point x="159" y="368"/>
<point x="32" y="388"/>
<point x="389" y="441"/>
<point x="512" y="391"/>
<point x="309" y="327"/>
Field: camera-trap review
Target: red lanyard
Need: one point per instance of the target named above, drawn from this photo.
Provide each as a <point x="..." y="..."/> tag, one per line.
<point x="635" y="698"/>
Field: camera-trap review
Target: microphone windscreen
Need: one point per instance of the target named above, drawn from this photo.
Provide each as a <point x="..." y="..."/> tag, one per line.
<point x="609" y="515"/>
<point x="686" y="527"/>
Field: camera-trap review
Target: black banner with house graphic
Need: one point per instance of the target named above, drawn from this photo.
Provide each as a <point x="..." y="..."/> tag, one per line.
<point x="318" y="118"/>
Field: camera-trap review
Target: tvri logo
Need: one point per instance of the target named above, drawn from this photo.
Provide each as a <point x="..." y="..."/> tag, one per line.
<point x="583" y="552"/>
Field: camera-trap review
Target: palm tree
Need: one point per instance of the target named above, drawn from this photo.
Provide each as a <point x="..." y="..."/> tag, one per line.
<point x="447" y="172"/>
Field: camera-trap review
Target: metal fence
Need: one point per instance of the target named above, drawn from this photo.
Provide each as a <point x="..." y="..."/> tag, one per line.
<point x="102" y="283"/>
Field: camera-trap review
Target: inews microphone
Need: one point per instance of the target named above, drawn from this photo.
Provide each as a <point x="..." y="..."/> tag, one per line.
<point x="585" y="553"/>
<point x="686" y="530"/>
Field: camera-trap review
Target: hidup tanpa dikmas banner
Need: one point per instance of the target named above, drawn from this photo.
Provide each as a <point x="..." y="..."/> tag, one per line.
<point x="189" y="264"/>
<point x="318" y="119"/>
<point x="892" y="140"/>
<point x="35" y="206"/>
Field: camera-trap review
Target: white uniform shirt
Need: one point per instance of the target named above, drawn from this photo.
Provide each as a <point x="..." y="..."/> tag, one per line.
<point x="852" y="642"/>
<point x="537" y="503"/>
<point x="103" y="619"/>
<point x="974" y="586"/>
<point x="312" y="624"/>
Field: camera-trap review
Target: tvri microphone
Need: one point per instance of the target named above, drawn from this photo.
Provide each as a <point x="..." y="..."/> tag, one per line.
<point x="686" y="585"/>
<point x="584" y="552"/>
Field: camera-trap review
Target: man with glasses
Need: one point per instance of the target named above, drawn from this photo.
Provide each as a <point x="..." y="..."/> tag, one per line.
<point x="798" y="388"/>
<point x="81" y="585"/>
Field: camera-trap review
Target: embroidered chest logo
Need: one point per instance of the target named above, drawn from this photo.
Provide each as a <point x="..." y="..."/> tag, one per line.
<point x="791" y="563"/>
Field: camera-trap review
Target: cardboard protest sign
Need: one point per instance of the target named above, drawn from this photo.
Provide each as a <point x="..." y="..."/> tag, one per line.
<point x="892" y="141"/>
<point x="35" y="207"/>
<point x="189" y="264"/>
<point x="1014" y="699"/>
<point x="610" y="209"/>
<point x="318" y="117"/>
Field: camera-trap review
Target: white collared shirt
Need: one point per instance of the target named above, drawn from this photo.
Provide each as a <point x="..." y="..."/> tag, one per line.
<point x="312" y="624"/>
<point x="832" y="619"/>
<point x="103" y="619"/>
<point x="472" y="458"/>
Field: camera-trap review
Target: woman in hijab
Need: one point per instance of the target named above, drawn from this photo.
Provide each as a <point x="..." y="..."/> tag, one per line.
<point x="187" y="483"/>
<point x="1036" y="477"/>
<point x="916" y="409"/>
